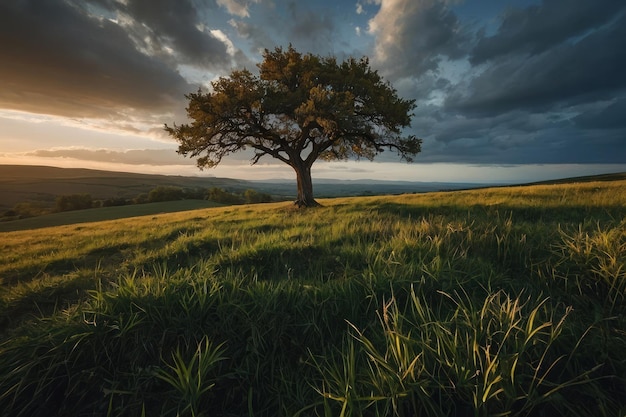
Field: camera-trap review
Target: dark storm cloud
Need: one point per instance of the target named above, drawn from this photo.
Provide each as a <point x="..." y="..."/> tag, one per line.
<point x="518" y="137"/>
<point x="539" y="27"/>
<point x="548" y="146"/>
<point x="572" y="72"/>
<point x="312" y="28"/>
<point x="612" y="116"/>
<point x="514" y="129"/>
<point x="546" y="87"/>
<point x="99" y="58"/>
<point x="177" y="25"/>
<point x="544" y="84"/>
<point x="172" y="29"/>
<point x="57" y="59"/>
<point x="414" y="36"/>
<point x="257" y="35"/>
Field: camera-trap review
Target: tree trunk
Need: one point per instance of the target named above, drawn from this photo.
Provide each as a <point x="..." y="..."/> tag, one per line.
<point x="305" y="186"/>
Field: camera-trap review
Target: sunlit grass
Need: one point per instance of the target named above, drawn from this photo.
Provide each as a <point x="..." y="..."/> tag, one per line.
<point x="507" y="301"/>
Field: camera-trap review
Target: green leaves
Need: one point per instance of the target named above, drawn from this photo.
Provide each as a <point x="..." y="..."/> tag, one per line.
<point x="301" y="107"/>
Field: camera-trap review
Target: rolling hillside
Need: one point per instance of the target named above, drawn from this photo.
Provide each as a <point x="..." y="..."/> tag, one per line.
<point x="41" y="184"/>
<point x="496" y="301"/>
<point x="19" y="183"/>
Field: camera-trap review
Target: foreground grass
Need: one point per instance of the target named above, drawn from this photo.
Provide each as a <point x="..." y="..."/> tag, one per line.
<point x="504" y="301"/>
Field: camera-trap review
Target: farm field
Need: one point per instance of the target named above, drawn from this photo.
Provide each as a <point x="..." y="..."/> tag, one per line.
<point x="44" y="184"/>
<point x="104" y="213"/>
<point x="500" y="301"/>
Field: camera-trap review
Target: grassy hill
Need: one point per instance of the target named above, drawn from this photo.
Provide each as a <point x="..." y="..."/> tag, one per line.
<point x="20" y="183"/>
<point x="42" y="185"/>
<point x="103" y="213"/>
<point x="589" y="178"/>
<point x="498" y="301"/>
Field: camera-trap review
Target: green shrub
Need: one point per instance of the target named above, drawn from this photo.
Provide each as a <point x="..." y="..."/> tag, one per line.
<point x="219" y="195"/>
<point x="165" y="193"/>
<point x="74" y="202"/>
<point x="253" y="197"/>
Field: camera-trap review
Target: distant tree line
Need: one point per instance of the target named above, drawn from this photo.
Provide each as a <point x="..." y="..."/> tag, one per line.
<point x="161" y="193"/>
<point x="74" y="202"/>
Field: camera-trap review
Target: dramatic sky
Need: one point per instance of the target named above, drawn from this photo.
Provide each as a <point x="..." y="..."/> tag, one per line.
<point x="507" y="90"/>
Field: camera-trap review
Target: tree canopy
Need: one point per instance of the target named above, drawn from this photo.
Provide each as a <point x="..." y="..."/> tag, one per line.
<point x="298" y="109"/>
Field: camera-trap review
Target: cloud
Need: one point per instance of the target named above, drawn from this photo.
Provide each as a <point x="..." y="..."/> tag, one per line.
<point x="157" y="157"/>
<point x="545" y="85"/>
<point x="56" y="59"/>
<point x="315" y="27"/>
<point x="518" y="137"/>
<point x="237" y="7"/>
<point x="530" y="76"/>
<point x="413" y="36"/>
<point x="538" y="28"/>
<point x="257" y="35"/>
<point x="611" y="116"/>
<point x="103" y="58"/>
<point x="540" y="82"/>
<point x="311" y="30"/>
<point x="174" y="27"/>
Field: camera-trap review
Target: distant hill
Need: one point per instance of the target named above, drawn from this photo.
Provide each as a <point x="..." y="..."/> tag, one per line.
<point x="588" y="178"/>
<point x="328" y="188"/>
<point x="21" y="183"/>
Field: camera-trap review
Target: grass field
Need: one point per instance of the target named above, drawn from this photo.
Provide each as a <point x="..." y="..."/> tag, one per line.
<point x="41" y="185"/>
<point x="503" y="301"/>
<point x="44" y="184"/>
<point x="104" y="213"/>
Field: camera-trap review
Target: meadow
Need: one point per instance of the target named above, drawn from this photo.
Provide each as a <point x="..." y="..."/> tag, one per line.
<point x="494" y="302"/>
<point x="103" y="213"/>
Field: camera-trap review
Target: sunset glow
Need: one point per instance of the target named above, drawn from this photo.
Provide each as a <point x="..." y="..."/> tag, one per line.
<point x="507" y="91"/>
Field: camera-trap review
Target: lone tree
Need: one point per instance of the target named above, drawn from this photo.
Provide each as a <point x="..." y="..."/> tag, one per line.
<point x="298" y="109"/>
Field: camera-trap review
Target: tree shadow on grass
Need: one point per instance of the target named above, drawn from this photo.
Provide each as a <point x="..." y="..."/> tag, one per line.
<point x="111" y="255"/>
<point x="285" y="263"/>
<point x="572" y="214"/>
